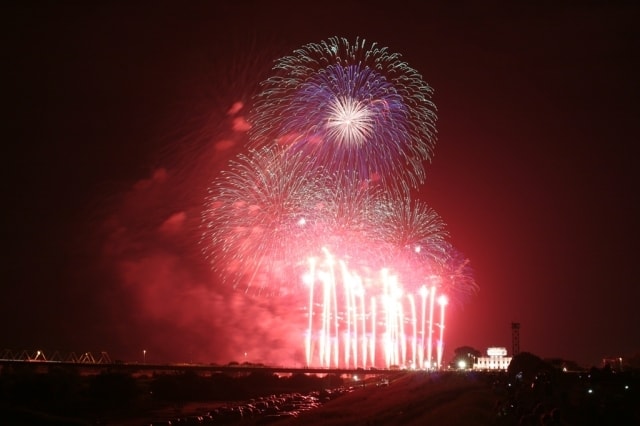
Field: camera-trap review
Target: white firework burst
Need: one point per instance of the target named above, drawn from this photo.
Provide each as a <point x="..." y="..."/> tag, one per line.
<point x="350" y="121"/>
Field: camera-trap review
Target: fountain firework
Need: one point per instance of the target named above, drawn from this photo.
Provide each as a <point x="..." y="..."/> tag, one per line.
<point x="320" y="208"/>
<point x="358" y="322"/>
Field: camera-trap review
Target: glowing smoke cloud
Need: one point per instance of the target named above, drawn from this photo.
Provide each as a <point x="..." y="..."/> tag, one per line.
<point x="320" y="208"/>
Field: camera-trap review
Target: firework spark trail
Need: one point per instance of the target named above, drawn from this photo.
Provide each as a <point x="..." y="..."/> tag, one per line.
<point x="339" y="135"/>
<point x="351" y="107"/>
<point x="455" y="275"/>
<point x="413" y="225"/>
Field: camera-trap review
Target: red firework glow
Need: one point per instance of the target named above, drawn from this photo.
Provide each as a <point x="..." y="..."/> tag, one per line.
<point x="318" y="225"/>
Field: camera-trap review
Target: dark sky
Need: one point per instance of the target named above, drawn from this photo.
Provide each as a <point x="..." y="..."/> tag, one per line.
<point x="115" y="124"/>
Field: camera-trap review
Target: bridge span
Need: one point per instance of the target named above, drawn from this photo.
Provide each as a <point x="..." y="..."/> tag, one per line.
<point x="139" y="368"/>
<point x="101" y="362"/>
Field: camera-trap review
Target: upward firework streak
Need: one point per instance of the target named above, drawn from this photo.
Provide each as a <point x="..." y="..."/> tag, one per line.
<point x="320" y="207"/>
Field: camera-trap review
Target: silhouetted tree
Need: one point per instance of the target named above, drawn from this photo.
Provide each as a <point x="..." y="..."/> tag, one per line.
<point x="466" y="354"/>
<point x="525" y="366"/>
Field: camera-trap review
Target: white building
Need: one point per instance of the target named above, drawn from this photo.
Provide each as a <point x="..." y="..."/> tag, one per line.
<point x="496" y="360"/>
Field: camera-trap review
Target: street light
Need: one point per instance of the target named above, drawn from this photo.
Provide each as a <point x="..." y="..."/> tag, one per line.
<point x="144" y="356"/>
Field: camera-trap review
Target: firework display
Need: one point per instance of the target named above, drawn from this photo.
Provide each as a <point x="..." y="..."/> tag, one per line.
<point x="320" y="207"/>
<point x="350" y="107"/>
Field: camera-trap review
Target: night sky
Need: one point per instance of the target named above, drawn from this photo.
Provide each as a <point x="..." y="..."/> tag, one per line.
<point x="116" y="120"/>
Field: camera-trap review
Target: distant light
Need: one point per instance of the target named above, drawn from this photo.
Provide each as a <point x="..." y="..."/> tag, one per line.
<point x="590" y="391"/>
<point x="302" y="221"/>
<point x="462" y="364"/>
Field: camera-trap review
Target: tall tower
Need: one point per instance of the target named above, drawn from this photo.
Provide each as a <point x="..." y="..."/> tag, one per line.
<point x="515" y="338"/>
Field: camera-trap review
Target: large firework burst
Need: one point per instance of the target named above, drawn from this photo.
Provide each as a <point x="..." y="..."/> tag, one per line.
<point x="350" y="107"/>
<point x="257" y="216"/>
